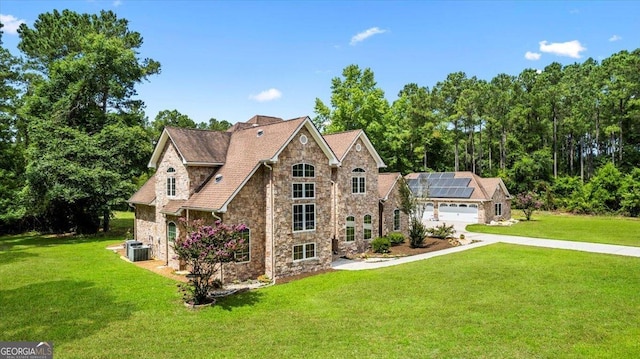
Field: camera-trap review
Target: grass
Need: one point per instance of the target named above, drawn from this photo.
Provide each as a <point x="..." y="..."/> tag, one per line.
<point x="594" y="229"/>
<point x="498" y="301"/>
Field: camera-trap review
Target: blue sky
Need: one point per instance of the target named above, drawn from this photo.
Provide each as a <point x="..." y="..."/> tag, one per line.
<point x="232" y="60"/>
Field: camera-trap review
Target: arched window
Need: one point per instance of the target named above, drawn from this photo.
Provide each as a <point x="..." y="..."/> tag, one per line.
<point x="358" y="181"/>
<point x="367" y="226"/>
<point x="396" y="220"/>
<point x="303" y="170"/>
<point x="244" y="255"/>
<point x="172" y="232"/>
<point x="351" y="229"/>
<point x="171" y="182"/>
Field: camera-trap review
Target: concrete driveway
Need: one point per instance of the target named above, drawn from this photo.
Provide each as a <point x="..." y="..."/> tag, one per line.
<point x="486" y="239"/>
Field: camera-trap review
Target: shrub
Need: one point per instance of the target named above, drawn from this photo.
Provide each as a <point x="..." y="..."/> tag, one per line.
<point x="417" y="232"/>
<point x="442" y="231"/>
<point x="528" y="203"/>
<point x="204" y="249"/>
<point x="395" y="238"/>
<point x="381" y="245"/>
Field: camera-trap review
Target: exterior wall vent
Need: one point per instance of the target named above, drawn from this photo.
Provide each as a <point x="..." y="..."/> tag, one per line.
<point x="218" y="178"/>
<point x="260" y="133"/>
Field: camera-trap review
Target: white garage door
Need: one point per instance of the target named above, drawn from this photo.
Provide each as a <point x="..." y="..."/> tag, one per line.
<point x="458" y="212"/>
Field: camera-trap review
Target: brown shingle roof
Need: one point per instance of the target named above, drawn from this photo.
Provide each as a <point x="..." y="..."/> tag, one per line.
<point x="246" y="152"/>
<point x="386" y="181"/>
<point x="146" y="194"/>
<point x="173" y="207"/>
<point x="200" y="146"/>
<point x="341" y="142"/>
<point x="259" y="120"/>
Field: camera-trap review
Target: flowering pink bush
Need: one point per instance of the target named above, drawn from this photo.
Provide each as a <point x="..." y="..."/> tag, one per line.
<point x="204" y="249"/>
<point x="528" y="203"/>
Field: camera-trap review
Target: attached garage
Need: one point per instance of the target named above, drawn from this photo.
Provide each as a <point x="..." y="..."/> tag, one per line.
<point x="460" y="197"/>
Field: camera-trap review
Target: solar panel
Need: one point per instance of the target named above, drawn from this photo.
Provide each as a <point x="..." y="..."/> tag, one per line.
<point x="441" y="185"/>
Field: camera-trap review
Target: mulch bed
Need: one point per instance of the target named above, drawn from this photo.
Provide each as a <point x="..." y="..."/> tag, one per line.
<point x="403" y="250"/>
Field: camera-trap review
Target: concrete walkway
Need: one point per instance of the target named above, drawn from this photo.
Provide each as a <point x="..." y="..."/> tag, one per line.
<point x="486" y="239"/>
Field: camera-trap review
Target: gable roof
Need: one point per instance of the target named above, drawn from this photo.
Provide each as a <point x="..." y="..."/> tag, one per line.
<point x="257" y="120"/>
<point x="386" y="182"/>
<point x="342" y="142"/>
<point x="249" y="148"/>
<point x="195" y="147"/>
<point x="482" y="188"/>
<point x="146" y="194"/>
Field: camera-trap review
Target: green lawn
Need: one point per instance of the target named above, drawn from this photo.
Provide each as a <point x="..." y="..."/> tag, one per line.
<point x="497" y="301"/>
<point x="595" y="229"/>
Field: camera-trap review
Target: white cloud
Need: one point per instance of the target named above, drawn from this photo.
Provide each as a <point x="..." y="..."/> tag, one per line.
<point x="615" y="38"/>
<point x="532" y="56"/>
<point x="569" y="48"/>
<point x="538" y="71"/>
<point x="117" y="3"/>
<point x="366" y="34"/>
<point x="11" y="23"/>
<point x="267" y="95"/>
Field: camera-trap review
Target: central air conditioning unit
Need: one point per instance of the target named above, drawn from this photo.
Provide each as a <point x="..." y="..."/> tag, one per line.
<point x="139" y="253"/>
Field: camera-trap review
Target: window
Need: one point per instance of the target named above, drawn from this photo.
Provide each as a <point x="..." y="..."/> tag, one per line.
<point x="358" y="182"/>
<point x="303" y="170"/>
<point x="304" y="190"/>
<point x="396" y="220"/>
<point x="498" y="209"/>
<point x="244" y="255"/>
<point x="171" y="232"/>
<point x="304" y="217"/>
<point x="304" y="251"/>
<point x="351" y="229"/>
<point x="367" y="226"/>
<point x="171" y="182"/>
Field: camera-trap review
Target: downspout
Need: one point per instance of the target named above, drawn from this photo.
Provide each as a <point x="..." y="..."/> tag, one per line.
<point x="273" y="247"/>
<point x="215" y="216"/>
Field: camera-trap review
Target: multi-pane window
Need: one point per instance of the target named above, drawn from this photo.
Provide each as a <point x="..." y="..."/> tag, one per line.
<point x="351" y="229"/>
<point x="358" y="181"/>
<point x="171" y="232"/>
<point x="244" y="255"/>
<point x="304" y="217"/>
<point x="303" y="170"/>
<point x="367" y="226"/>
<point x="396" y="220"/>
<point x="171" y="182"/>
<point x="498" y="208"/>
<point x="304" y="190"/>
<point x="304" y="251"/>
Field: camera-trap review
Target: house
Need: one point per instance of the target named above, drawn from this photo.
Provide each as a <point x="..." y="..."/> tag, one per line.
<point x="304" y="197"/>
<point x="461" y="196"/>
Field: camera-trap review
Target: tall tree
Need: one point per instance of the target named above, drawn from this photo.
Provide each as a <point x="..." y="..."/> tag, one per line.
<point x="83" y="98"/>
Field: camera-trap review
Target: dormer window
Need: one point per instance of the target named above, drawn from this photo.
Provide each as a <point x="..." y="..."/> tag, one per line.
<point x="171" y="182"/>
<point x="358" y="181"/>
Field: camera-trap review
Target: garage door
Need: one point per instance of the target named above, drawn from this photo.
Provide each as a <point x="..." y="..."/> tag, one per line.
<point x="458" y="212"/>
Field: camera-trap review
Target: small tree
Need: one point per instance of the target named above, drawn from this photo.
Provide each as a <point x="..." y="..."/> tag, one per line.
<point x="204" y="249"/>
<point x="410" y="206"/>
<point x="528" y="203"/>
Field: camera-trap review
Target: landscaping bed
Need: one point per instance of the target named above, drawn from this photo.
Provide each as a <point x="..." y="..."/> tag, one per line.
<point x="404" y="249"/>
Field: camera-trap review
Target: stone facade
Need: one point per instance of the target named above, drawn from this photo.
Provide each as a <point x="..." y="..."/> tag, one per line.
<point x="145" y="227"/>
<point x="356" y="205"/>
<point x="284" y="237"/>
<point x="386" y="213"/>
<point x="248" y="207"/>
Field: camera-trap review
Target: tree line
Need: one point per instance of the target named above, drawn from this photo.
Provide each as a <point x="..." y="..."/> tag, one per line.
<point x="560" y="132"/>
<point x="74" y="141"/>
